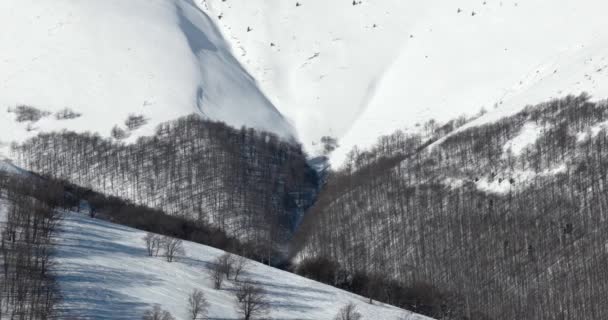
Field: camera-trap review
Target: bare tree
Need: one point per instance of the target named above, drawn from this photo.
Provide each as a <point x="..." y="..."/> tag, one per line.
<point x="348" y="312"/>
<point x="216" y="274"/>
<point x="252" y="301"/>
<point x="157" y="313"/>
<point x="240" y="265"/>
<point x="173" y="247"/>
<point x="119" y="133"/>
<point x="329" y="144"/>
<point x="227" y="264"/>
<point x="198" y="305"/>
<point x="153" y="243"/>
<point x="135" y="122"/>
<point x="66" y="114"/>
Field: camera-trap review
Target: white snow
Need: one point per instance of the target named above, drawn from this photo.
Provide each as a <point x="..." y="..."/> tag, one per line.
<point x="104" y="273"/>
<point x="327" y="67"/>
<point x="502" y="184"/>
<point x="528" y="135"/>
<point x="354" y="72"/>
<point x="592" y="131"/>
<point x="108" y="59"/>
<point x="509" y="55"/>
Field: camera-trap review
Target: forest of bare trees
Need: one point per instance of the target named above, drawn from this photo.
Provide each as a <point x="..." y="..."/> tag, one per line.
<point x="29" y="219"/>
<point x="454" y="222"/>
<point x="249" y="184"/>
<point x="531" y="246"/>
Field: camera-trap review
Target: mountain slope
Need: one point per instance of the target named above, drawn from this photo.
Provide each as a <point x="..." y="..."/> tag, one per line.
<point x="360" y="71"/>
<point x="109" y="59"/>
<point x="505" y="218"/>
<point x="104" y="273"/>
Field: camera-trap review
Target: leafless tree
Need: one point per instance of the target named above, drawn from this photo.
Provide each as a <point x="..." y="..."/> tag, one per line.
<point x="348" y="312"/>
<point x="119" y="133"/>
<point x="197" y="305"/>
<point x="216" y="274"/>
<point x="66" y="114"/>
<point x="227" y="264"/>
<point x="135" y="122"/>
<point x="157" y="313"/>
<point x="252" y="301"/>
<point x="173" y="247"/>
<point x="240" y="265"/>
<point x="153" y="243"/>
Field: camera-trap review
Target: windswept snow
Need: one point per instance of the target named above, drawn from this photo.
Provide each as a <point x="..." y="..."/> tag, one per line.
<point x="104" y="273"/>
<point x="108" y="59"/>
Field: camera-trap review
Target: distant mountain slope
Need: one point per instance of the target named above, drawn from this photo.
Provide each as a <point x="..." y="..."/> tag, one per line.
<point x="359" y="69"/>
<point x="104" y="273"/>
<point x="507" y="218"/>
<point x="109" y="59"/>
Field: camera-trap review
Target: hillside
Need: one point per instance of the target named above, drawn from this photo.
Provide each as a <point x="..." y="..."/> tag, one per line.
<point x="505" y="220"/>
<point x="103" y="272"/>
<point x="250" y="184"/>
<point x="107" y="60"/>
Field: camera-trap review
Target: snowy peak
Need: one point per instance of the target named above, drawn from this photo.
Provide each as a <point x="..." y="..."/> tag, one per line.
<point x="109" y="59"/>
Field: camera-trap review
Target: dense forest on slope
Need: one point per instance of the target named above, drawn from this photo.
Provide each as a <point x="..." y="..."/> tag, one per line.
<point x="29" y="220"/>
<point x="247" y="183"/>
<point x="506" y="219"/>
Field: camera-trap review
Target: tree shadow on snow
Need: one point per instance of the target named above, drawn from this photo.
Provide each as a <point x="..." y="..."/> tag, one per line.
<point x="91" y="291"/>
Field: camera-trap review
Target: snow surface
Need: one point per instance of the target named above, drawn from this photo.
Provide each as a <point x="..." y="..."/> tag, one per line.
<point x="527" y="136"/>
<point x="357" y="72"/>
<point x="108" y="59"/>
<point x="104" y="273"/>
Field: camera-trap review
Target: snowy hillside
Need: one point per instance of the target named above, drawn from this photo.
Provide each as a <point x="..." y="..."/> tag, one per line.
<point x="104" y="273"/>
<point x="359" y="71"/>
<point x="108" y="59"/>
<point x="354" y="70"/>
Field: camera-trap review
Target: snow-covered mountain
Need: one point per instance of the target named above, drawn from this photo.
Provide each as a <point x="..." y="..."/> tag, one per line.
<point x="104" y="273"/>
<point x="350" y="69"/>
<point x="359" y="69"/>
<point x="108" y="59"/>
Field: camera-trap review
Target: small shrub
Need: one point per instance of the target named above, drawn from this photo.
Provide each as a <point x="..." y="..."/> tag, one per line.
<point x="28" y="114"/>
<point x="135" y="122"/>
<point x="119" y="133"/>
<point x="67" y="114"/>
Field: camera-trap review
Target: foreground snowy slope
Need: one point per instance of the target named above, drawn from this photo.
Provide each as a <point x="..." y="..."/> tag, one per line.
<point x="104" y="273"/>
<point x="108" y="59"/>
<point x="358" y="71"/>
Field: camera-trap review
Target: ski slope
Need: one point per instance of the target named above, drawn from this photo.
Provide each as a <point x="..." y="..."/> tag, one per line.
<point x="112" y="58"/>
<point x="359" y="71"/>
<point x="104" y="273"/>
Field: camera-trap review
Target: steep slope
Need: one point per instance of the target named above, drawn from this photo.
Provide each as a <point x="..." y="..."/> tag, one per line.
<point x="359" y="71"/>
<point x="104" y="273"/>
<point x="109" y="59"/>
